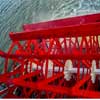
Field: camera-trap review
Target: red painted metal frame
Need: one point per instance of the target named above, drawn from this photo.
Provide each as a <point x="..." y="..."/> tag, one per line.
<point x="41" y="44"/>
<point x="68" y="31"/>
<point x="63" y="22"/>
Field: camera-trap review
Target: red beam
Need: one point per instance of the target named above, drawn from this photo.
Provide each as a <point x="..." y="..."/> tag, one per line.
<point x="56" y="89"/>
<point x="86" y="94"/>
<point x="91" y="29"/>
<point x="52" y="56"/>
<point x="32" y="85"/>
<point x="43" y="85"/>
<point x="81" y="82"/>
<point x="23" y="83"/>
<point x="63" y="22"/>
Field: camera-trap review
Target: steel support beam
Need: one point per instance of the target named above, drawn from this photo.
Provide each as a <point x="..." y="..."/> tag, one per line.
<point x="63" y="22"/>
<point x="78" y="56"/>
<point x="91" y="29"/>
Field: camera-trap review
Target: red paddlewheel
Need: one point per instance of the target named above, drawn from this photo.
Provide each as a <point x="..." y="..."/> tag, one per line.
<point x="55" y="59"/>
